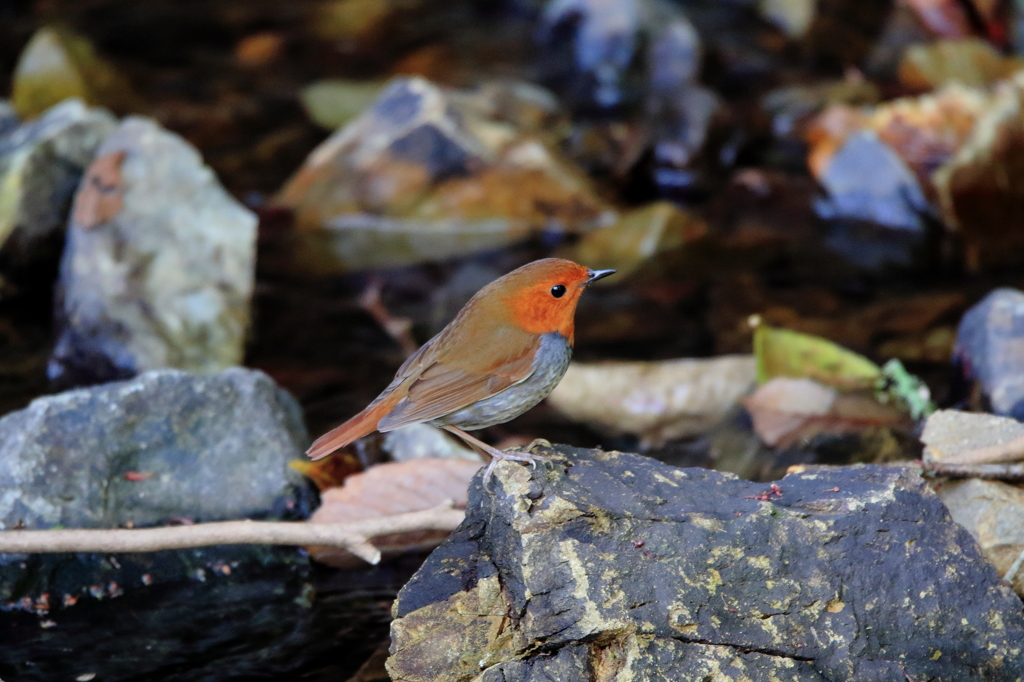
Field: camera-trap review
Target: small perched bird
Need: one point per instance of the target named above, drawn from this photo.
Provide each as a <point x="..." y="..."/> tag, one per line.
<point x="503" y="353"/>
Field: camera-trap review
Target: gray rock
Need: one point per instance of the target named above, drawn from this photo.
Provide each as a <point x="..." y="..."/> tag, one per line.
<point x="41" y="163"/>
<point x="866" y="180"/>
<point x="166" y="280"/>
<point x="211" y="448"/>
<point x="949" y="433"/>
<point x="430" y="174"/>
<point x="603" y="54"/>
<point x="8" y="117"/>
<point x="992" y="512"/>
<point x="616" y="566"/>
<point x="990" y="351"/>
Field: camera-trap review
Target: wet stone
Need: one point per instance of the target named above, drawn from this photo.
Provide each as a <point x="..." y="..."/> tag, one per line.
<point x="609" y="563"/>
<point x="989" y="351"/>
<point x="602" y="55"/>
<point x="206" y="448"/>
<point x="867" y="181"/>
<point x="159" y="264"/>
<point x="41" y="163"/>
<point x="166" y="445"/>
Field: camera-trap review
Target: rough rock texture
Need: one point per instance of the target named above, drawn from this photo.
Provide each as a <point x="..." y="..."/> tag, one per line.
<point x="989" y="350"/>
<point x="993" y="512"/>
<point x="159" y="264"/>
<point x="612" y="566"/>
<point x="949" y="433"/>
<point x="428" y="173"/>
<point x="41" y="163"/>
<point x="205" y="448"/>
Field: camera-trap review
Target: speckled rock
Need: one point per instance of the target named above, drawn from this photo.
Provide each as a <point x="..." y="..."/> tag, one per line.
<point x="204" y="448"/>
<point x="159" y="264"/>
<point x="41" y="163"/>
<point x="614" y="566"/>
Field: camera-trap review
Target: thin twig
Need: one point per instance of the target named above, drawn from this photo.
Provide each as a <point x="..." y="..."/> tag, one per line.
<point x="1010" y="451"/>
<point x="1000" y="472"/>
<point x="398" y="328"/>
<point x="352" y="535"/>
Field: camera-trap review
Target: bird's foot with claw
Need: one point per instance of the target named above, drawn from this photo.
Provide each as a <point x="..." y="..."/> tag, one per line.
<point x="514" y="456"/>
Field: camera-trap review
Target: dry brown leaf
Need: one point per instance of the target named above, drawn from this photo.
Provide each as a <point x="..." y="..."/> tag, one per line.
<point x="101" y="193"/>
<point x="393" y="488"/>
<point x="329" y="472"/>
<point x="657" y="401"/>
<point x="785" y="411"/>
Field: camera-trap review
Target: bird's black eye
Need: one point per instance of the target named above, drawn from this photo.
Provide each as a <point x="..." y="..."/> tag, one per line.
<point x="558" y="291"/>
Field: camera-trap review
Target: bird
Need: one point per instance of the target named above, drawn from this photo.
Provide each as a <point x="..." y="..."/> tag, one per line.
<point x="503" y="353"/>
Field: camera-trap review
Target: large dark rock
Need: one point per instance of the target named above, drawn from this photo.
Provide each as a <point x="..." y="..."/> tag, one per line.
<point x="614" y="566"/>
<point x="990" y="353"/>
<point x="159" y="264"/>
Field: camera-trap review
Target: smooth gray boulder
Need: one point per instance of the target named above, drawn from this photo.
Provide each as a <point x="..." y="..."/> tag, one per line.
<point x="166" y="444"/>
<point x="159" y="265"/>
<point x="41" y="163"/>
<point x="614" y="566"/>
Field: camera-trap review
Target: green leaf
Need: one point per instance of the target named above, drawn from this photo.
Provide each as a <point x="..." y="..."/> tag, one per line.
<point x="785" y="353"/>
<point x="906" y="390"/>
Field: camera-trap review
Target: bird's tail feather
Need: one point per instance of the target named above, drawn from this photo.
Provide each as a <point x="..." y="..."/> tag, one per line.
<point x="355" y="428"/>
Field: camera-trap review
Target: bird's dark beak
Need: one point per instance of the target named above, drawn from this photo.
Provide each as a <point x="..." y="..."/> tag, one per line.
<point x="594" y="275"/>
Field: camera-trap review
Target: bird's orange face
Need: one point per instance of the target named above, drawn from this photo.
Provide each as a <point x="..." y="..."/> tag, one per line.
<point x="542" y="296"/>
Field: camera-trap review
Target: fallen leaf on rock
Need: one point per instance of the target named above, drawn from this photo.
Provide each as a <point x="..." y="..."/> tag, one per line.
<point x="58" y="64"/>
<point x="924" y="131"/>
<point x="101" y="194"/>
<point x="259" y="49"/>
<point x="657" y="401"/>
<point x="333" y="103"/>
<point x="426" y="173"/>
<point x="393" y="488"/>
<point x="980" y="189"/>
<point x="970" y="61"/>
<point x="785" y="411"/>
<point x="638" y="236"/>
<point x="329" y="472"/>
<point x="785" y="353"/>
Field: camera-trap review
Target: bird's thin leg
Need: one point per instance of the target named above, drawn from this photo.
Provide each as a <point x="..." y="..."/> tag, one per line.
<point x="494" y="453"/>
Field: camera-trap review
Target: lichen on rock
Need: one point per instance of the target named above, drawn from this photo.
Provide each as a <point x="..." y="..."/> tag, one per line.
<point x="612" y="566"/>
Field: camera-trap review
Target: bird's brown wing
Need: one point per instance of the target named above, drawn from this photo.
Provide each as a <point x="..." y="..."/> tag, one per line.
<point x="442" y="389"/>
